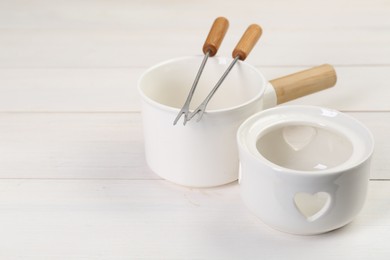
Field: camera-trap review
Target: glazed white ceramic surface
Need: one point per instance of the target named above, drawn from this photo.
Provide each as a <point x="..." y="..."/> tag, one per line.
<point x="199" y="154"/>
<point x="304" y="169"/>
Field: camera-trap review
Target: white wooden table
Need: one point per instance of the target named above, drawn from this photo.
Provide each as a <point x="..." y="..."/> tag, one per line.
<point x="73" y="178"/>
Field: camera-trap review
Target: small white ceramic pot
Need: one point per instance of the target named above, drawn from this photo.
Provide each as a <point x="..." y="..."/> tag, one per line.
<point x="204" y="154"/>
<point x="304" y="169"/>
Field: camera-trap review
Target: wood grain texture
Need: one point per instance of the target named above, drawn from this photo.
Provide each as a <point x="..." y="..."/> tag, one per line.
<point x="115" y="90"/>
<point x="247" y="42"/>
<point x="92" y="15"/>
<point x="72" y="146"/>
<point x="110" y="219"/>
<point x="73" y="178"/>
<point x="109" y="145"/>
<point x="35" y="48"/>
<point x="304" y="82"/>
<point x="214" y="38"/>
<point x="47" y="34"/>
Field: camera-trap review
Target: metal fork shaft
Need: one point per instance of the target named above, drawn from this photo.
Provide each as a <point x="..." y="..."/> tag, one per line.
<point x="185" y="108"/>
<point x="203" y="105"/>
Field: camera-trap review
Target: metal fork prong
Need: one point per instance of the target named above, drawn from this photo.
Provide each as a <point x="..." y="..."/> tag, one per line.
<point x="200" y="115"/>
<point x="191" y="115"/>
<point x="202" y="107"/>
<point x="185" y="119"/>
<point x="186" y="105"/>
<point x="178" y="117"/>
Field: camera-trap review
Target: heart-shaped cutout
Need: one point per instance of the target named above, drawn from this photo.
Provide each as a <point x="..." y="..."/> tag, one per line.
<point x="312" y="206"/>
<point x="298" y="136"/>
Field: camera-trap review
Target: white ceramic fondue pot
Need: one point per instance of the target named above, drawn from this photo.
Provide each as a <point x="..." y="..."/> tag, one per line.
<point x="204" y="153"/>
<point x="304" y="170"/>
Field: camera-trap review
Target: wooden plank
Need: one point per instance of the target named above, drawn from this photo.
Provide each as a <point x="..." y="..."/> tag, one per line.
<point x="364" y="88"/>
<point x="36" y="48"/>
<point x="108" y="219"/>
<point x="131" y="34"/>
<point x="109" y="145"/>
<point x="69" y="90"/>
<point x="70" y="146"/>
<point x="162" y="14"/>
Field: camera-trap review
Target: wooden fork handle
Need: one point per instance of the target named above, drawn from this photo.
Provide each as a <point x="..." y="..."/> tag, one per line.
<point x="215" y="36"/>
<point x="247" y="42"/>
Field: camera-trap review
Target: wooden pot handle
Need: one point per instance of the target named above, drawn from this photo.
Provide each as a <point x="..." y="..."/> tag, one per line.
<point x="304" y="83"/>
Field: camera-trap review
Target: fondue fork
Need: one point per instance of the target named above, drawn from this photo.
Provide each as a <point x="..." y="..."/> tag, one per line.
<point x="240" y="52"/>
<point x="210" y="48"/>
